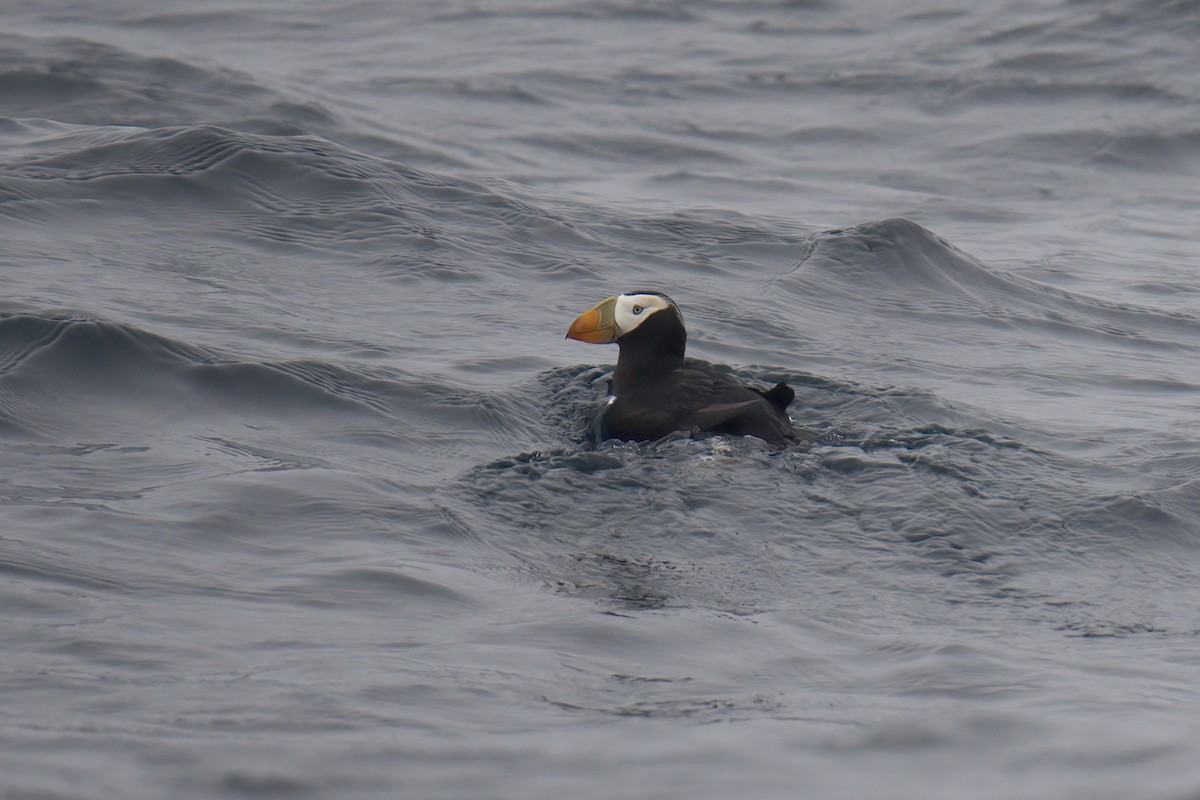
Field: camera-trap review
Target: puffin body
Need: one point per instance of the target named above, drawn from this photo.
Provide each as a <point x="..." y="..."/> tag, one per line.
<point x="656" y="390"/>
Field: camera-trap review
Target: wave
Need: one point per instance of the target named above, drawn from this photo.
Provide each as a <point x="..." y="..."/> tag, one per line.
<point x="130" y="381"/>
<point x="898" y="263"/>
<point x="922" y="306"/>
<point x="52" y="366"/>
<point x="901" y="490"/>
<point x="291" y="192"/>
<point x="90" y="84"/>
<point x="79" y="81"/>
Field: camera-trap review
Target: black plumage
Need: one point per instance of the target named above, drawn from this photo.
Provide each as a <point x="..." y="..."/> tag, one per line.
<point x="657" y="390"/>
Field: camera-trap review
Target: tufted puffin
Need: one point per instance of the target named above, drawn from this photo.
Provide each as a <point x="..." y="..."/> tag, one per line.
<point x="655" y="390"/>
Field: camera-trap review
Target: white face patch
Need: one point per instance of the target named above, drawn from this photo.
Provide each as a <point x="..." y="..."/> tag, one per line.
<point x="633" y="309"/>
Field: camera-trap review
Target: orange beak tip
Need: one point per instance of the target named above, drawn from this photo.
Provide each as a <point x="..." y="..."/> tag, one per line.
<point x="587" y="327"/>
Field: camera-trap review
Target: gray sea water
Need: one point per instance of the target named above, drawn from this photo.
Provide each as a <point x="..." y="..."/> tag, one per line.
<point x="296" y="492"/>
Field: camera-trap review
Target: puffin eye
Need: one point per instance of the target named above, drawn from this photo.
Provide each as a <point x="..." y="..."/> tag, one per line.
<point x="637" y="310"/>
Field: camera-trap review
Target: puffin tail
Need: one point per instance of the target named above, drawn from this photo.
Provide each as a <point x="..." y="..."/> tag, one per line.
<point x="780" y="395"/>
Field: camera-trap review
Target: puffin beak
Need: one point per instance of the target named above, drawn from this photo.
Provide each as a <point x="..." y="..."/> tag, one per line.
<point x="597" y="325"/>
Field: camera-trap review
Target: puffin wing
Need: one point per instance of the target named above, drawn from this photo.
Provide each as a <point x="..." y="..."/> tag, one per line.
<point x="695" y="398"/>
<point x="639" y="422"/>
<point x="733" y="407"/>
<point x="717" y="414"/>
<point x="701" y="385"/>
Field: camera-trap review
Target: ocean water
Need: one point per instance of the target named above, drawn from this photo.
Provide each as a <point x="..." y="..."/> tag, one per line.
<point x="297" y="496"/>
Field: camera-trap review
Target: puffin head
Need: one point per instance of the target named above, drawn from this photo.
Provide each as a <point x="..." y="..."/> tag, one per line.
<point x="610" y="319"/>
